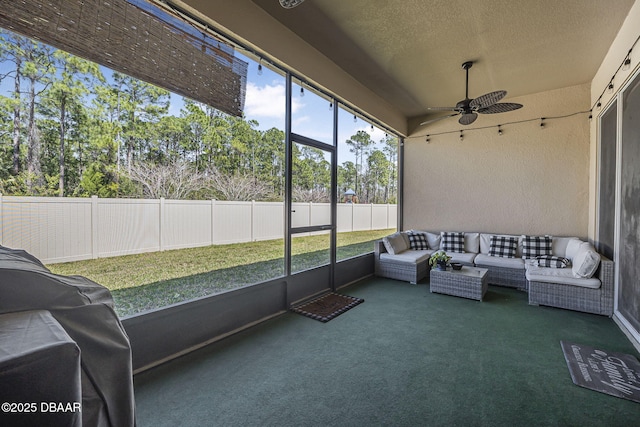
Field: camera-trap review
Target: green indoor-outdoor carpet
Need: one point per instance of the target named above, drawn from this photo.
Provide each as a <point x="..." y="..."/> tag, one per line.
<point x="405" y="358"/>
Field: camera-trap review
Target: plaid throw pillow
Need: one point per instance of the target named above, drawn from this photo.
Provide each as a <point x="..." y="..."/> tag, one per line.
<point x="534" y="246"/>
<point x="503" y="246"/>
<point x="418" y="241"/>
<point x="552" y="261"/>
<point x="452" y="242"/>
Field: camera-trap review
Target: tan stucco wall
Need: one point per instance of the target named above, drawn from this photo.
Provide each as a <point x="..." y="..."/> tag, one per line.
<point x="254" y="27"/>
<point x="617" y="53"/>
<point x="529" y="180"/>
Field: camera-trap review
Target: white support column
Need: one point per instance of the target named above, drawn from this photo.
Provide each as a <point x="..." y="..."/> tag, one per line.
<point x="160" y="224"/>
<point x="213" y="217"/>
<point x="253" y="220"/>
<point x="94" y="227"/>
<point x="353" y="208"/>
<point x="388" y="214"/>
<point x="370" y="216"/>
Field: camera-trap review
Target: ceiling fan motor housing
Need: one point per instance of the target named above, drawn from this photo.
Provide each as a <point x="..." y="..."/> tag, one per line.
<point x="463" y="106"/>
<point x="468" y="109"/>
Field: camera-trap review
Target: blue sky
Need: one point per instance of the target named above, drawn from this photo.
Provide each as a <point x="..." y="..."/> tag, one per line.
<point x="311" y="115"/>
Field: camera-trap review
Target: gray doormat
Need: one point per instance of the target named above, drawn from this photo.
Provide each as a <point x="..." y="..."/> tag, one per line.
<point x="617" y="374"/>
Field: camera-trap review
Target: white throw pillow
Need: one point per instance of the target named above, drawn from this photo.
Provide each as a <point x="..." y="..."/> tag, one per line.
<point x="472" y="242"/>
<point x="395" y="243"/>
<point x="559" y="245"/>
<point x="433" y="239"/>
<point x="572" y="248"/>
<point x="586" y="262"/>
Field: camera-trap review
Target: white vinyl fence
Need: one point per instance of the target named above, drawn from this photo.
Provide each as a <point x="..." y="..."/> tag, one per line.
<point x="72" y="229"/>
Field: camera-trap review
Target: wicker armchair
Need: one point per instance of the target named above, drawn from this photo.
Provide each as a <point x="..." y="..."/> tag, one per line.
<point x="597" y="301"/>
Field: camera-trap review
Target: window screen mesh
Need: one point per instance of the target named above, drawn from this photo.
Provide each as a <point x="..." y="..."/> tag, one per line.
<point x="139" y="39"/>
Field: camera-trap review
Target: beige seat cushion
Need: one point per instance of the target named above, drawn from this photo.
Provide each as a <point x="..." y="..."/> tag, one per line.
<point x="484" y="260"/>
<point x="410" y="255"/>
<point x="562" y="276"/>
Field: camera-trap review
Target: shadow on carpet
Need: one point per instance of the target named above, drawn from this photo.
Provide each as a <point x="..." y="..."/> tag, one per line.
<point x="327" y="307"/>
<point x="617" y="374"/>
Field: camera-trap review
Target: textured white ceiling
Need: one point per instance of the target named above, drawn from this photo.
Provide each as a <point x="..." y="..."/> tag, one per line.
<point x="410" y="51"/>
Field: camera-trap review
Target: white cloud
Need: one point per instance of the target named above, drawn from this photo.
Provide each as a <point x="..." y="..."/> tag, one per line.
<point x="267" y="101"/>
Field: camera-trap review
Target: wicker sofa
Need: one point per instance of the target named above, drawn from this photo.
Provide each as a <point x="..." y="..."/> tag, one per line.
<point x="556" y="287"/>
<point x="591" y="292"/>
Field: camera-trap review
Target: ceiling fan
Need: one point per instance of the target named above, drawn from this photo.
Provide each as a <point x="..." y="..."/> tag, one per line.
<point x="468" y="109"/>
<point x="289" y="4"/>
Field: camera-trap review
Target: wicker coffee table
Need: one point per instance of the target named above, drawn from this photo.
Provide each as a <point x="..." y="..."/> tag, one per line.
<point x="468" y="282"/>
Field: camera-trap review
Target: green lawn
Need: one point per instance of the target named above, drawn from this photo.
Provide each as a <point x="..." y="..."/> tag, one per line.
<point x="156" y="279"/>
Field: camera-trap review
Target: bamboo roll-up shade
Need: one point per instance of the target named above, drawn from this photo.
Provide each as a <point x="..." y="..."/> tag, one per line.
<point x="139" y="39"/>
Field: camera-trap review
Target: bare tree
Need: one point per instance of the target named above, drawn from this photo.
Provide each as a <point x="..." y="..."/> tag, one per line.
<point x="236" y="187"/>
<point x="177" y="180"/>
<point x="315" y="195"/>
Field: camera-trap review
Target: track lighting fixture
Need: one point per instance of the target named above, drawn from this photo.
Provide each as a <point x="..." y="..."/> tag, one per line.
<point x="626" y="64"/>
<point x="428" y="139"/>
<point x="461" y="136"/>
<point x="499" y="130"/>
<point x="542" y="122"/>
<point x="610" y="87"/>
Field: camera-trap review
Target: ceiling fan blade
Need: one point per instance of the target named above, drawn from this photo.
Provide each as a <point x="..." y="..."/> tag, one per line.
<point x="487" y="99"/>
<point x="441" y="108"/>
<point x="502" y="107"/>
<point x="437" y="119"/>
<point x="468" y="118"/>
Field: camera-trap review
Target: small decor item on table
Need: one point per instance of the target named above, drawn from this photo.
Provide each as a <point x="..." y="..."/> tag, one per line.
<point x="439" y="260"/>
<point x="456" y="266"/>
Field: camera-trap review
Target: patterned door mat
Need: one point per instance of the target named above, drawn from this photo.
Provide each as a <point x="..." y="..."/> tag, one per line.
<point x="617" y="374"/>
<point x="327" y="306"/>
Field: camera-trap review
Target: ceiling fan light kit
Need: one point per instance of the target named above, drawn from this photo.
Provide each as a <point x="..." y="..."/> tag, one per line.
<point x="468" y="108"/>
